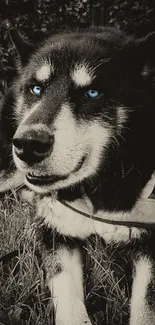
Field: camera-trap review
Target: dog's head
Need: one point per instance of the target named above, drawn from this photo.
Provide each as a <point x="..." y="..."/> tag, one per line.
<point x="10" y="177"/>
<point x="74" y="97"/>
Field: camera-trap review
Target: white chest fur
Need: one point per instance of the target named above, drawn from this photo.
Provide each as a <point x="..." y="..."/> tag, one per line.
<point x="70" y="223"/>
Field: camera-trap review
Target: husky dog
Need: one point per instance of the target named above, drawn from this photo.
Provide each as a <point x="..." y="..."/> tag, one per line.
<point x="84" y="110"/>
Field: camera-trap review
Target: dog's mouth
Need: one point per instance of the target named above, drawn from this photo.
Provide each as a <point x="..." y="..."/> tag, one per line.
<point x="41" y="180"/>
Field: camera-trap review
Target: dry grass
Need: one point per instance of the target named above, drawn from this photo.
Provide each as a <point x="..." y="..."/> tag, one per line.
<point x="24" y="299"/>
<point x="23" y="294"/>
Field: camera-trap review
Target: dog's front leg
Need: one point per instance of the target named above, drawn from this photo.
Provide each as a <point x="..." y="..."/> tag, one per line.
<point x="143" y="293"/>
<point x="66" y="286"/>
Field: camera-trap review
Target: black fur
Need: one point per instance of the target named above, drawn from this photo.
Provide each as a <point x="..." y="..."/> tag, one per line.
<point x="7" y="130"/>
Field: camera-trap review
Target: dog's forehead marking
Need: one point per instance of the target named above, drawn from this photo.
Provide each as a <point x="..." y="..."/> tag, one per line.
<point x="44" y="72"/>
<point x="81" y="75"/>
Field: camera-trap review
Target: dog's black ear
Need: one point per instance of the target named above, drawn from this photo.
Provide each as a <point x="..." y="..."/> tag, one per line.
<point x="146" y="46"/>
<point x="24" y="48"/>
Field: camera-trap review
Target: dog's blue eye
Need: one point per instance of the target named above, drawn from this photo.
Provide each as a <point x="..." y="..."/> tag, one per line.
<point x="36" y="90"/>
<point x="92" y="93"/>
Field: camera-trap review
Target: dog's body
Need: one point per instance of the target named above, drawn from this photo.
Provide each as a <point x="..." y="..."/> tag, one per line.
<point x="84" y="108"/>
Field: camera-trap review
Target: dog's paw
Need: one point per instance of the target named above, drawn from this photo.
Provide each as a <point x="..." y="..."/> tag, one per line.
<point x="78" y="321"/>
<point x="82" y="321"/>
<point x="73" y="318"/>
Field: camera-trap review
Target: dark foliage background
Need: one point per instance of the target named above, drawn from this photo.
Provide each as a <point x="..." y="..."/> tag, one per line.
<point x="36" y="18"/>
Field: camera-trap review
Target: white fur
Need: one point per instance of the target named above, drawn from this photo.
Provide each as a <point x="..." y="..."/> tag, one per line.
<point x="73" y="224"/>
<point x="149" y="187"/>
<point x="81" y="75"/>
<point x="121" y="116"/>
<point x="27" y="195"/>
<point x="73" y="141"/>
<point x="67" y="290"/>
<point x="43" y="73"/>
<point x="10" y="182"/>
<point x="140" y="312"/>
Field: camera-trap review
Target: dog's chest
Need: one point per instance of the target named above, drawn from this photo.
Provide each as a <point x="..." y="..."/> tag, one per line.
<point x="69" y="223"/>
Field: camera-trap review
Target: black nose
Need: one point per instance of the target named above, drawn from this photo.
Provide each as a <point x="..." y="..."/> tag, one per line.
<point x="33" y="146"/>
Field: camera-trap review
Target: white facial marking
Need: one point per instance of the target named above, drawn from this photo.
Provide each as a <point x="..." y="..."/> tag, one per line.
<point x="81" y="76"/>
<point x="44" y="72"/>
<point x="140" y="311"/>
<point x="73" y="141"/>
<point x="69" y="301"/>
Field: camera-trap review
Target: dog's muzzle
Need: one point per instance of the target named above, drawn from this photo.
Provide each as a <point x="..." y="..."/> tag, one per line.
<point x="33" y="146"/>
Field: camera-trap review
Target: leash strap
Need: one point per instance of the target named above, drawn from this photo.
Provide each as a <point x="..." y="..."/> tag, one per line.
<point x="129" y="224"/>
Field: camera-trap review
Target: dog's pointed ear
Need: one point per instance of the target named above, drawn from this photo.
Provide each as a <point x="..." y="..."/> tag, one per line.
<point x="23" y="48"/>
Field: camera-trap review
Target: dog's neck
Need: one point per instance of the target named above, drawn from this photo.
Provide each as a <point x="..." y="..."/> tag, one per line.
<point x="77" y="219"/>
<point x="145" y="220"/>
<point x="80" y="204"/>
<point x="108" y="195"/>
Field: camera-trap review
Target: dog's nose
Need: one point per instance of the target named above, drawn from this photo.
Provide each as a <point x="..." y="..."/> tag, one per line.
<point x="33" y="146"/>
